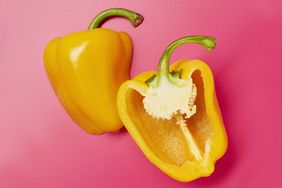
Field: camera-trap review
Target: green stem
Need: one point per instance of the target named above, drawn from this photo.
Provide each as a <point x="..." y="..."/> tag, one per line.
<point x="206" y="41"/>
<point x="134" y="17"/>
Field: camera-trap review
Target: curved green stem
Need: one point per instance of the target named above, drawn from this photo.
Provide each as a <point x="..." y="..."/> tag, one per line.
<point x="134" y="17"/>
<point x="206" y="41"/>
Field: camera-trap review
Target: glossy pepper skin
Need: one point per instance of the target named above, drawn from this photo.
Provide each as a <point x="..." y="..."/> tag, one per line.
<point x="86" y="69"/>
<point x="162" y="141"/>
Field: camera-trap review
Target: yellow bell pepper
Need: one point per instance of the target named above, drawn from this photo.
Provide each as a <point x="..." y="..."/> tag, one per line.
<point x="86" y="69"/>
<point x="173" y="115"/>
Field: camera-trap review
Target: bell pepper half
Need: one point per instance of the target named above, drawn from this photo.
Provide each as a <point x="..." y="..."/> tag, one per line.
<point x="173" y="114"/>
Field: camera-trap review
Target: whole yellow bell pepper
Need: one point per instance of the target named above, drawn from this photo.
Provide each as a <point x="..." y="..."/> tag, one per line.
<point x="173" y="115"/>
<point x="86" y="69"/>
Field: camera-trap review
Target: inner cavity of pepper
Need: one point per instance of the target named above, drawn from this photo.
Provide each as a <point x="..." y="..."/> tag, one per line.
<point x="166" y="138"/>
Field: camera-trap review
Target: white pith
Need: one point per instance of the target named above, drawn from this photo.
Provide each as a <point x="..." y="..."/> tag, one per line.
<point x="168" y="99"/>
<point x="189" y="138"/>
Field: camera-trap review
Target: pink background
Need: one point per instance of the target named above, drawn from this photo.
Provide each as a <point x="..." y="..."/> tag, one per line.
<point x="41" y="147"/>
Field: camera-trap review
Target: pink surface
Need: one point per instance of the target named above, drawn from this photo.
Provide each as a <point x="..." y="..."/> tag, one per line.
<point x="41" y="147"/>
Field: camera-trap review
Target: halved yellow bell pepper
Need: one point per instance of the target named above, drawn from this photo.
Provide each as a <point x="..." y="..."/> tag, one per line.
<point x="86" y="69"/>
<point x="173" y="115"/>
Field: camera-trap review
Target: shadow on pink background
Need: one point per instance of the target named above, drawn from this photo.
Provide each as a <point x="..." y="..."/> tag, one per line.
<point x="41" y="147"/>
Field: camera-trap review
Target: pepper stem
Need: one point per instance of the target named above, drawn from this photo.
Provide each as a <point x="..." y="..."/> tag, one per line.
<point x="134" y="17"/>
<point x="207" y="42"/>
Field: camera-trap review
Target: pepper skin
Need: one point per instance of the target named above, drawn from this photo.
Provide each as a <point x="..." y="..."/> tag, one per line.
<point x="86" y="69"/>
<point x="184" y="148"/>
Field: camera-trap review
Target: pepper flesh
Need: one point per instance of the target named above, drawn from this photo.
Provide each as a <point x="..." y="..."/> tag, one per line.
<point x="86" y="69"/>
<point x="185" y="149"/>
